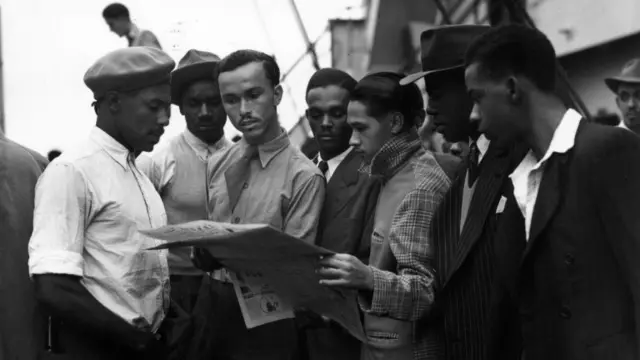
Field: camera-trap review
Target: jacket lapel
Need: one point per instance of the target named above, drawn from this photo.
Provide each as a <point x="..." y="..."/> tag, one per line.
<point x="490" y="182"/>
<point x="342" y="181"/>
<point x="548" y="198"/>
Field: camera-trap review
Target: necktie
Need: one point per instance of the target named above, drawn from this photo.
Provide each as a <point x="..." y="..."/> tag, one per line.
<point x="237" y="176"/>
<point x="323" y="166"/>
<point x="474" y="165"/>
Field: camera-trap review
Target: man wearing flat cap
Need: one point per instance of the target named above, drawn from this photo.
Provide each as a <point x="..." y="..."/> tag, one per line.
<point x="179" y="170"/>
<point x="106" y="294"/>
<point x="626" y="86"/>
<point x="466" y="222"/>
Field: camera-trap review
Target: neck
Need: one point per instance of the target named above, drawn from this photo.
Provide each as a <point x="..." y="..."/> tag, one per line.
<point x="544" y="120"/>
<point x="108" y="128"/>
<point x="331" y="153"/>
<point x="210" y="141"/>
<point x="272" y="132"/>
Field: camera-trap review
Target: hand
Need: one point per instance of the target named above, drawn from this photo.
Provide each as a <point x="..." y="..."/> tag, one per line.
<point x="347" y="271"/>
<point x="203" y="260"/>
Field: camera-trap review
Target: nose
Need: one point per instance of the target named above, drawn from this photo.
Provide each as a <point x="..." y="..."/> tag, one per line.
<point x="204" y="111"/>
<point x="163" y="117"/>
<point x="244" y="107"/>
<point x="355" y="139"/>
<point x="326" y="122"/>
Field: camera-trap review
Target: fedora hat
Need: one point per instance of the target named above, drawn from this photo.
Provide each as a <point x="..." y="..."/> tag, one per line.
<point x="444" y="47"/>
<point x="630" y="74"/>
<point x="194" y="65"/>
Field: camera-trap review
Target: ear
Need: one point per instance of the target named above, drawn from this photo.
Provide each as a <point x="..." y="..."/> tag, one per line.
<point x="277" y="94"/>
<point x="514" y="89"/>
<point x="113" y="102"/>
<point x="397" y="123"/>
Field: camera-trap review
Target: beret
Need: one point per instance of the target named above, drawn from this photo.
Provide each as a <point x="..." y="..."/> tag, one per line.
<point x="129" y="69"/>
<point x="195" y="65"/>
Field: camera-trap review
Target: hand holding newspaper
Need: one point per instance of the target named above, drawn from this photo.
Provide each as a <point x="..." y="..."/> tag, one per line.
<point x="272" y="272"/>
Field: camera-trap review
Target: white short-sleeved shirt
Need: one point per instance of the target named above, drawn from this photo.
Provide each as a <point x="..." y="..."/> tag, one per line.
<point x="89" y="205"/>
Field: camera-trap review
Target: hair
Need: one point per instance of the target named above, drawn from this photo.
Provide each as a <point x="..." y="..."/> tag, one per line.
<point x="382" y="93"/>
<point x="518" y="50"/>
<point x="54" y="153"/>
<point x="114" y="11"/>
<point x="243" y="57"/>
<point x="330" y="76"/>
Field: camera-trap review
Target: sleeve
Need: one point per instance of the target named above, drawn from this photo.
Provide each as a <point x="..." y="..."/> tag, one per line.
<point x="147" y="38"/>
<point x="159" y="168"/>
<point x="409" y="293"/>
<point x="60" y="216"/>
<point x="618" y="190"/>
<point x="303" y="214"/>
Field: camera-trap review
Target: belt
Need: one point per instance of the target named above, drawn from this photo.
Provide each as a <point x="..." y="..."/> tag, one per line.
<point x="220" y="275"/>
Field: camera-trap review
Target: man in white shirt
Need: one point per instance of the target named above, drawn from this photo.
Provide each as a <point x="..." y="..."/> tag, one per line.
<point x="346" y="221"/>
<point x="107" y="295"/>
<point x="117" y="17"/>
<point x="626" y="86"/>
<point x="179" y="170"/>
<point x="573" y="219"/>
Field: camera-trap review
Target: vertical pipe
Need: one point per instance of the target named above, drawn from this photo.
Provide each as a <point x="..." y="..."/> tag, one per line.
<point x="310" y="46"/>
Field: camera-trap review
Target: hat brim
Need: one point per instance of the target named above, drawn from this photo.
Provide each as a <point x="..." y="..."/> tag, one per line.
<point x="614" y="82"/>
<point x="182" y="77"/>
<point x="409" y="79"/>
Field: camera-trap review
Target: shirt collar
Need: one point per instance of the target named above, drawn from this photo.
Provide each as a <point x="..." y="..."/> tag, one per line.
<point x="269" y="150"/>
<point x="483" y="146"/>
<point x="336" y="160"/>
<point x="112" y="147"/>
<point x="201" y="148"/>
<point x="392" y="156"/>
<point x="563" y="140"/>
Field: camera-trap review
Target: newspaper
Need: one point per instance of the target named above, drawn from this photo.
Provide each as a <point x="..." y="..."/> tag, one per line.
<point x="285" y="264"/>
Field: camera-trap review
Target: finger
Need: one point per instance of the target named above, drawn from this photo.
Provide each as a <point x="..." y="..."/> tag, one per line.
<point x="331" y="273"/>
<point x="333" y="262"/>
<point x="341" y="283"/>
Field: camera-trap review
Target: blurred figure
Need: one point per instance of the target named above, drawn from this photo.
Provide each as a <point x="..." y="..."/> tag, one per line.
<point x="179" y="170"/>
<point x="22" y="323"/>
<point x="626" y="86"/>
<point x="106" y="294"/>
<point x="569" y="253"/>
<point x="53" y="154"/>
<point x="346" y="221"/>
<point x="117" y="17"/>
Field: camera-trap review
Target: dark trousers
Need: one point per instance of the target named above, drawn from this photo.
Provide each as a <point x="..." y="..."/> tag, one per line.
<point x="220" y="332"/>
<point x="331" y="342"/>
<point x="184" y="290"/>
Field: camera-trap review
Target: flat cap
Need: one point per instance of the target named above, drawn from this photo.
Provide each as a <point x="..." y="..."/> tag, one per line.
<point x="129" y="69"/>
<point x="195" y="65"/>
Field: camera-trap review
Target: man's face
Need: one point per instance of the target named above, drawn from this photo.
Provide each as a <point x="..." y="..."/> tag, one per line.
<point x="143" y="116"/>
<point x="327" y="115"/>
<point x="629" y="103"/>
<point x="369" y="134"/>
<point x="250" y="101"/>
<point x="203" y="111"/>
<point x="449" y="105"/>
<point x="497" y="115"/>
<point x="120" y="26"/>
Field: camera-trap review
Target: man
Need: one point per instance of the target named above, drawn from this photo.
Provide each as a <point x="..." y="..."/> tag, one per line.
<point x="577" y="196"/>
<point x="260" y="179"/>
<point x="347" y="215"/>
<point x="179" y="170"/>
<point x="107" y="295"/>
<point x="626" y="86"/>
<point x="466" y="225"/>
<point x="396" y="288"/>
<point x="21" y="328"/>
<point x="117" y="17"/>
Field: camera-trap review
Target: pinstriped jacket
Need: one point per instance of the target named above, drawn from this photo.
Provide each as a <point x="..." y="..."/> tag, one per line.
<point x="402" y="264"/>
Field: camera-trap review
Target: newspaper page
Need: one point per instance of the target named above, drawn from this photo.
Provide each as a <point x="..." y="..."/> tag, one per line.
<point x="288" y="265"/>
<point x="258" y="301"/>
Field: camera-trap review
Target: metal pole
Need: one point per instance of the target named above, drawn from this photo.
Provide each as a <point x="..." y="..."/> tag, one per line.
<point x="310" y="46"/>
<point x="443" y="10"/>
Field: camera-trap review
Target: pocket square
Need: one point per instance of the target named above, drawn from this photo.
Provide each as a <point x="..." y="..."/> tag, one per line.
<point x="501" y="204"/>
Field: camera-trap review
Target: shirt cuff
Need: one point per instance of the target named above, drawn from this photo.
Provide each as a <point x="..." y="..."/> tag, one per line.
<point x="56" y="262"/>
<point x="373" y="302"/>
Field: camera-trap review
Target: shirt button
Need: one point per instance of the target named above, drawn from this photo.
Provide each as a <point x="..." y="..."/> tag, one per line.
<point x="565" y="312"/>
<point x="569" y="259"/>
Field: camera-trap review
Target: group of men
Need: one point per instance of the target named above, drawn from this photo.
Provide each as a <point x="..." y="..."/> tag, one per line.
<point x="525" y="246"/>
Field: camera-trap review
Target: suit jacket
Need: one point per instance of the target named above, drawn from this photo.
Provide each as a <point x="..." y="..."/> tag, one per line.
<point x="577" y="281"/>
<point x="464" y="260"/>
<point x="346" y="221"/>
<point x="22" y="327"/>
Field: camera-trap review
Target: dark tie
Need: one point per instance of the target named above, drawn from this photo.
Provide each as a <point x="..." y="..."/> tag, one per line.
<point x="323" y="166"/>
<point x="237" y="176"/>
<point x="474" y="166"/>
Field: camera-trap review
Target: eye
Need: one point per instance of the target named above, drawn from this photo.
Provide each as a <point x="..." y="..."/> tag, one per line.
<point x="337" y="113"/>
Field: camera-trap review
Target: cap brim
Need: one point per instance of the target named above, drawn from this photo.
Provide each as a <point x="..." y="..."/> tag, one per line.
<point x="614" y="82"/>
<point x="419" y="75"/>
